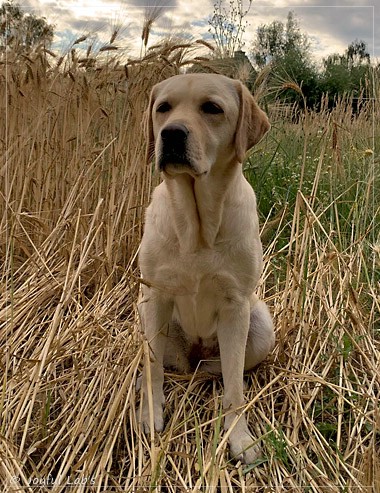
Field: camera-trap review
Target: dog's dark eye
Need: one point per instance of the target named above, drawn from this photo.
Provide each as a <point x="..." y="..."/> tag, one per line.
<point x="211" y="108"/>
<point x="163" y="107"/>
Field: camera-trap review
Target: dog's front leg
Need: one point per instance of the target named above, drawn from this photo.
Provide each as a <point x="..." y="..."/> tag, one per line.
<point x="155" y="314"/>
<point x="232" y="337"/>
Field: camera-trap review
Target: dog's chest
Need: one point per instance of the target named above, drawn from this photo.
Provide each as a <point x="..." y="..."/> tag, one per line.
<point x="204" y="287"/>
<point x="198" y="313"/>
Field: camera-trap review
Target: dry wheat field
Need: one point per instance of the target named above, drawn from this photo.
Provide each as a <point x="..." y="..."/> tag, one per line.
<point x="74" y="186"/>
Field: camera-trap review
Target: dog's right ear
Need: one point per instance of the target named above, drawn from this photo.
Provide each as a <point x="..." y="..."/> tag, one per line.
<point x="149" y="152"/>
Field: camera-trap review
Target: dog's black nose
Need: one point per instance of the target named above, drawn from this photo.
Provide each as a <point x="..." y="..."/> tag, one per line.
<point x="174" y="134"/>
<point x="174" y="146"/>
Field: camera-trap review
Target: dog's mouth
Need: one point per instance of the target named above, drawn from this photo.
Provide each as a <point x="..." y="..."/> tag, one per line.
<point x="174" y="167"/>
<point x="170" y="159"/>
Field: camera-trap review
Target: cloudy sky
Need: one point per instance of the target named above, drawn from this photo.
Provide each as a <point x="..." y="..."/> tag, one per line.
<point x="330" y="27"/>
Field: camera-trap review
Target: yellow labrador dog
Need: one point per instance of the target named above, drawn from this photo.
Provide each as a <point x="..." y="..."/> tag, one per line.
<point x="201" y="255"/>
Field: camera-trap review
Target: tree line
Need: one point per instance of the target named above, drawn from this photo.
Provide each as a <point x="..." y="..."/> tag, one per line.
<point x="287" y="51"/>
<point x="284" y="52"/>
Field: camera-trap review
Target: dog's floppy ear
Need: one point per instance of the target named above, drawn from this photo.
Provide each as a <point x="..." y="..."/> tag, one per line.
<point x="252" y="123"/>
<point x="149" y="153"/>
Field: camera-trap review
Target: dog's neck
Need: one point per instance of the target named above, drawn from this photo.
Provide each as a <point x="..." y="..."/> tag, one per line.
<point x="198" y="204"/>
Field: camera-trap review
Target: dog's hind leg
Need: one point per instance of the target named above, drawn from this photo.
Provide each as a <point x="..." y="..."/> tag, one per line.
<point x="260" y="336"/>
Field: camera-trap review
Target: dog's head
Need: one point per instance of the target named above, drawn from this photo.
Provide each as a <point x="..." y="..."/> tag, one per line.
<point x="199" y="121"/>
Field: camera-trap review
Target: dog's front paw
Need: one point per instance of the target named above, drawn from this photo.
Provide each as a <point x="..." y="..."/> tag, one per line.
<point x="242" y="444"/>
<point x="158" y="414"/>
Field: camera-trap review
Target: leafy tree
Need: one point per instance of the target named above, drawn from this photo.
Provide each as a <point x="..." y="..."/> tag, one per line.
<point x="349" y="73"/>
<point x="227" y="26"/>
<point x="276" y="40"/>
<point x="20" y="31"/>
<point x="269" y="43"/>
<point x="357" y="53"/>
<point x="284" y="48"/>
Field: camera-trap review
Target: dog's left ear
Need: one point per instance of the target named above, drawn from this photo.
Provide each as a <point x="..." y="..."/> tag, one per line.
<point x="252" y="123"/>
<point x="149" y="151"/>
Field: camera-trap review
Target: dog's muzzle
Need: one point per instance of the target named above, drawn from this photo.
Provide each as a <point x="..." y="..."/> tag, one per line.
<point x="174" y="139"/>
